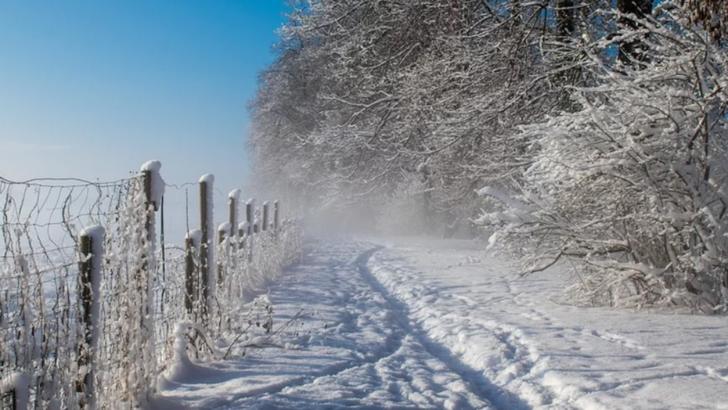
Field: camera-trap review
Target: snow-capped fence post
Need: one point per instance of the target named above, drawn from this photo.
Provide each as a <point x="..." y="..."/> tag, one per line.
<point x="207" y="254"/>
<point x="276" y="217"/>
<point x="264" y="225"/>
<point x="249" y="215"/>
<point x="153" y="192"/>
<point x="89" y="280"/>
<point x="233" y="199"/>
<point x="192" y="290"/>
<point x="235" y="234"/>
<point x="242" y="234"/>
<point x="153" y="185"/>
<point x="249" y="208"/>
<point x="224" y="231"/>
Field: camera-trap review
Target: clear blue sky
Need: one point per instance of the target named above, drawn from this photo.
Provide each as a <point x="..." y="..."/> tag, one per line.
<point x="92" y="89"/>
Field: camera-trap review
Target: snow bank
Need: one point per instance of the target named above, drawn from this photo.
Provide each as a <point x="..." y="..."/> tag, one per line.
<point x="181" y="366"/>
<point x="541" y="353"/>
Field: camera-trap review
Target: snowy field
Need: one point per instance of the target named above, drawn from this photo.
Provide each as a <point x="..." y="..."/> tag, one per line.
<point x="413" y="323"/>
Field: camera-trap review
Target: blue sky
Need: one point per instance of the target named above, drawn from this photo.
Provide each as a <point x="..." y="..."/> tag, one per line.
<point x="92" y="89"/>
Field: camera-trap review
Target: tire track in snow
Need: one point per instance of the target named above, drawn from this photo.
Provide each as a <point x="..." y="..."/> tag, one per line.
<point x="391" y="345"/>
<point x="398" y="347"/>
<point x="477" y="382"/>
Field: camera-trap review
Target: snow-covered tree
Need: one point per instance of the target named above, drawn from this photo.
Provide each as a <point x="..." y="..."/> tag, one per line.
<point x="711" y="14"/>
<point x="632" y="185"/>
<point x="596" y="126"/>
<point x="366" y="95"/>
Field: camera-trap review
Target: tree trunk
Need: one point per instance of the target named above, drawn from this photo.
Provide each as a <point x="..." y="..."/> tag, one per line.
<point x="565" y="11"/>
<point x="631" y="50"/>
<point x="516" y="9"/>
<point x="711" y="14"/>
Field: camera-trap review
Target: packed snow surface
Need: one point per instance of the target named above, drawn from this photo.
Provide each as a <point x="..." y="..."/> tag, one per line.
<point x="421" y="323"/>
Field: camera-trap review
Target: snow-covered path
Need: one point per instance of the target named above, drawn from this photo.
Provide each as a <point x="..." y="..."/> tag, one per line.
<point x="440" y="324"/>
<point x="548" y="354"/>
<point x="353" y="346"/>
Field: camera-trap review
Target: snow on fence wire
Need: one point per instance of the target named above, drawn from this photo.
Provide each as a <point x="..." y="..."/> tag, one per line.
<point x="90" y="305"/>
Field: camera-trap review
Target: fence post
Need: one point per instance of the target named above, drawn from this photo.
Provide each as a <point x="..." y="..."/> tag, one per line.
<point x="264" y="226"/>
<point x="276" y="217"/>
<point x="153" y="193"/>
<point x="249" y="211"/>
<point x="207" y="258"/>
<point x="192" y="290"/>
<point x="91" y="252"/>
<point x="233" y="199"/>
<point x="242" y="234"/>
<point x="245" y="240"/>
<point x="223" y="231"/>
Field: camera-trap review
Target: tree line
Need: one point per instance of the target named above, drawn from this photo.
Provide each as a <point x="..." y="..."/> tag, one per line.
<point x="593" y="131"/>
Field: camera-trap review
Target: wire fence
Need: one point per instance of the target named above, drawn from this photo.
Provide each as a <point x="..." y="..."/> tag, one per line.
<point x="88" y="317"/>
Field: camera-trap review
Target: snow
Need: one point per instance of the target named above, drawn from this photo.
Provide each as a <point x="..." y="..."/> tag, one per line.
<point x="423" y="323"/>
<point x="158" y="184"/>
<point x="196" y="236"/>
<point x="352" y="345"/>
<point x="235" y="194"/>
<point x="518" y="334"/>
<point x="181" y="365"/>
<point x="207" y="178"/>
<point x="225" y="228"/>
<point x="95" y="232"/>
<point x="243" y="228"/>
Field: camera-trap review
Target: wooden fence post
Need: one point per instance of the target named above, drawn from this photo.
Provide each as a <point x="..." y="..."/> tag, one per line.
<point x="153" y="185"/>
<point x="207" y="262"/>
<point x="89" y="285"/>
<point x="223" y="231"/>
<point x="235" y="234"/>
<point x="249" y="211"/>
<point x="276" y="217"/>
<point x="192" y="290"/>
<point x="264" y="226"/>
<point x="149" y="170"/>
<point x="233" y="199"/>
<point x="242" y="234"/>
